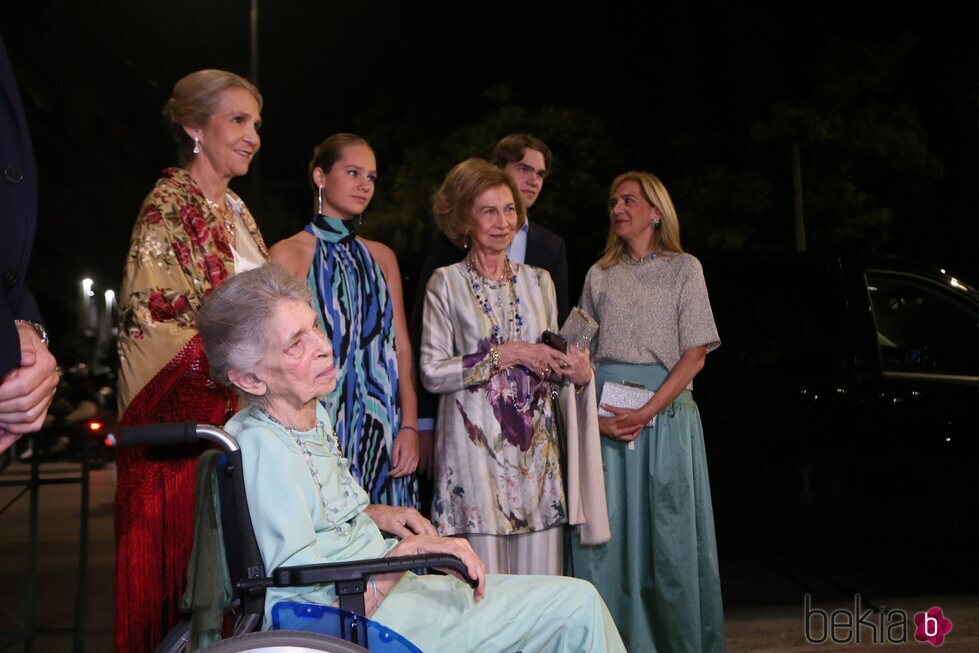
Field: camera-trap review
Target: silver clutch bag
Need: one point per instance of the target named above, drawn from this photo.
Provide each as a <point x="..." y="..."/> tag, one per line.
<point x="622" y="395"/>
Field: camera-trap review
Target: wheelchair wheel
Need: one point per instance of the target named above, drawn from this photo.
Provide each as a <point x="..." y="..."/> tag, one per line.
<point x="284" y="641"/>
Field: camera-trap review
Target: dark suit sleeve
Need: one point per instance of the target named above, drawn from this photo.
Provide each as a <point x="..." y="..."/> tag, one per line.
<point x="441" y="252"/>
<point x="9" y="342"/>
<point x="545" y="249"/>
<point x="9" y="338"/>
<point x="18" y="212"/>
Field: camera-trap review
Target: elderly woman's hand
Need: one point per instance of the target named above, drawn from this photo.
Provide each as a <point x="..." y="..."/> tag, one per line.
<point x="577" y="369"/>
<point x="456" y="546"/>
<point x="400" y="522"/>
<point x="539" y="359"/>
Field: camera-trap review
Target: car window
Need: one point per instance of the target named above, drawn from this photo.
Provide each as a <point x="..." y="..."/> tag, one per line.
<point x="924" y="327"/>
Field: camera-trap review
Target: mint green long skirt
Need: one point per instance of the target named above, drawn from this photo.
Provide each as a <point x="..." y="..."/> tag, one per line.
<point x="659" y="573"/>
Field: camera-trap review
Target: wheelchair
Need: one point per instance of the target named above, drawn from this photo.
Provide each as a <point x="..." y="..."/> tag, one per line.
<point x="297" y="627"/>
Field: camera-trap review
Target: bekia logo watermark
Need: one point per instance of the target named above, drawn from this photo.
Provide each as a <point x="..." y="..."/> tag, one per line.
<point x="873" y="626"/>
<point x="931" y="626"/>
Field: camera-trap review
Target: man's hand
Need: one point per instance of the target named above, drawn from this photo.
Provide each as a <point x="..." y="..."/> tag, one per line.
<point x="400" y="522"/>
<point x="26" y="392"/>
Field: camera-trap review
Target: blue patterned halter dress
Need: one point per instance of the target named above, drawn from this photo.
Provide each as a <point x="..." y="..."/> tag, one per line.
<point x="354" y="306"/>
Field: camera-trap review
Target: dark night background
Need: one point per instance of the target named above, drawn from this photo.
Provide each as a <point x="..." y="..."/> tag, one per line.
<point x="881" y="103"/>
<point x="711" y="99"/>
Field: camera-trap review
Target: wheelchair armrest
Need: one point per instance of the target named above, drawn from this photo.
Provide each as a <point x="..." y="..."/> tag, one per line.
<point x="352" y="570"/>
<point x="350" y="578"/>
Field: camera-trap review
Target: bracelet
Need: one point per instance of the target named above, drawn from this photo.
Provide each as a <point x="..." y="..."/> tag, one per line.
<point x="494" y="353"/>
<point x="408" y="428"/>
<point x="39" y="329"/>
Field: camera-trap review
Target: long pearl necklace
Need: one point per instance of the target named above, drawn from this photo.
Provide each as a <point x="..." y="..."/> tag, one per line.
<point x="342" y="527"/>
<point x="513" y="318"/>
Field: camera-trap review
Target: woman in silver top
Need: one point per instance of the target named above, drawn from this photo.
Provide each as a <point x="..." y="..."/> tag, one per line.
<point x="659" y="573"/>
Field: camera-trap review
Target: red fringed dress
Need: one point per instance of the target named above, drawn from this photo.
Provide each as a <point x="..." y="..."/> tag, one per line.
<point x="179" y="253"/>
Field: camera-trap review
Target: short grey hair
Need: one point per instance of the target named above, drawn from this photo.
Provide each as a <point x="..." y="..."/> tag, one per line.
<point x="235" y="321"/>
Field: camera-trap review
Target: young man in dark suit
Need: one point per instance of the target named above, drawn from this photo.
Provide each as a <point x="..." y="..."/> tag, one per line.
<point x="526" y="159"/>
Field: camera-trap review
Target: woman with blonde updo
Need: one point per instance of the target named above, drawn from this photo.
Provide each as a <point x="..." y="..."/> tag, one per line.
<point x="192" y="234"/>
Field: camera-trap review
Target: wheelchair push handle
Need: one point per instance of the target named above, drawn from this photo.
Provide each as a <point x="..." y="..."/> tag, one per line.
<point x="175" y="433"/>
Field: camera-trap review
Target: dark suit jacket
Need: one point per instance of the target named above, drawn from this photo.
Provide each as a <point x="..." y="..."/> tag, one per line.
<point x="545" y="249"/>
<point x="18" y="212"/>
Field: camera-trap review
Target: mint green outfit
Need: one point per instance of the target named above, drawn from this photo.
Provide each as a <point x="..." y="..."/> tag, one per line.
<point x="659" y="573"/>
<point x="301" y="521"/>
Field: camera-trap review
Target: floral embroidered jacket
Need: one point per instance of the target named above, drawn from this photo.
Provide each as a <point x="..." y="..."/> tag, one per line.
<point x="178" y="254"/>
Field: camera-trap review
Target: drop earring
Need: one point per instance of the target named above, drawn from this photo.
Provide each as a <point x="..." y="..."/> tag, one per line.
<point x="319" y="199"/>
<point x="197" y="145"/>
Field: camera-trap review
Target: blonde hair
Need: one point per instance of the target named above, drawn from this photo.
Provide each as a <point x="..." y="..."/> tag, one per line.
<point x="453" y="202"/>
<point x="665" y="238"/>
<point x="194" y="99"/>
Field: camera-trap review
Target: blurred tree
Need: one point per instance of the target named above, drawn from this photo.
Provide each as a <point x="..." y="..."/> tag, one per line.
<point x="865" y="156"/>
<point x="721" y="207"/>
<point x="572" y="203"/>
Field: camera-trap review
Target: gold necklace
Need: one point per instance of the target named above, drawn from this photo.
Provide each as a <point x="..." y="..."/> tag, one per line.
<point x="222" y="211"/>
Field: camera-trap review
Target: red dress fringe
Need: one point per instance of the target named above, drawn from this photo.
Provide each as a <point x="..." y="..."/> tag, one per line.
<point x="155" y="500"/>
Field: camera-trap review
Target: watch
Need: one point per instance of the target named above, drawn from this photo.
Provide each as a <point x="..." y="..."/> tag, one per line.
<point x="39" y="329"/>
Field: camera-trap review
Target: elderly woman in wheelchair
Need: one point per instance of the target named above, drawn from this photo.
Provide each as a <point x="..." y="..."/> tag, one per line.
<point x="262" y="337"/>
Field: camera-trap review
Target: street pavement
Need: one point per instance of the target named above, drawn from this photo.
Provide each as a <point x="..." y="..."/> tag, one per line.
<point x="59" y="518"/>
<point x="763" y="593"/>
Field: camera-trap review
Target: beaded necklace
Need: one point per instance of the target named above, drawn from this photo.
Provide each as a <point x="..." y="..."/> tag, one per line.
<point x="627" y="258"/>
<point x="345" y="479"/>
<point x="514" y="319"/>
